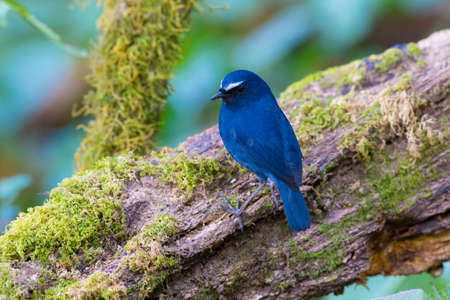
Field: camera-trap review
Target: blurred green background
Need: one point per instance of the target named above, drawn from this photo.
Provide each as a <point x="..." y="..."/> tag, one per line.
<point x="281" y="40"/>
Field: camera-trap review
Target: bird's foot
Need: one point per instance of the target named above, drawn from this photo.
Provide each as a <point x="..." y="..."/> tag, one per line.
<point x="233" y="210"/>
<point x="237" y="211"/>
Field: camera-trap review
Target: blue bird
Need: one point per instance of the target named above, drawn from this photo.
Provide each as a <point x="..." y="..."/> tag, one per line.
<point x="259" y="136"/>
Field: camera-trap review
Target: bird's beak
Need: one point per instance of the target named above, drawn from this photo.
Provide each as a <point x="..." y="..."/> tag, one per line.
<point x="217" y="95"/>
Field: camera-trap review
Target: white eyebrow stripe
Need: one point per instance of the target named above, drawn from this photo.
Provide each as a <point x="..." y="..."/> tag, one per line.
<point x="221" y="82"/>
<point x="233" y="85"/>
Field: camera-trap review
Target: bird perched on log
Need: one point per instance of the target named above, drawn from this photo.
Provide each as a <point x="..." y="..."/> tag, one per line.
<point x="259" y="136"/>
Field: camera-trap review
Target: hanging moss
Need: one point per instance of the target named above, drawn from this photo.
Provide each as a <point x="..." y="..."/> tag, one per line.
<point x="131" y="67"/>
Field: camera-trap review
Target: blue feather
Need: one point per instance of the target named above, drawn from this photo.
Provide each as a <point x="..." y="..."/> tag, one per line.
<point x="294" y="207"/>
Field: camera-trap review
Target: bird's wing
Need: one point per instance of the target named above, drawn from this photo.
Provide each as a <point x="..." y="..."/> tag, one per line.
<point x="272" y="147"/>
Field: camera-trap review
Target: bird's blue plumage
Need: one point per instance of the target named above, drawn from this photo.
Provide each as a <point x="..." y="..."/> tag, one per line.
<point x="294" y="207"/>
<point x="258" y="136"/>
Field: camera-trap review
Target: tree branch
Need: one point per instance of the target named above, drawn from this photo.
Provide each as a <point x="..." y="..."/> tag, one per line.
<point x="376" y="181"/>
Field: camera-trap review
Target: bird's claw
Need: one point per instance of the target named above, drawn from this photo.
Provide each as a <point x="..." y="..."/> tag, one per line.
<point x="274" y="198"/>
<point x="236" y="211"/>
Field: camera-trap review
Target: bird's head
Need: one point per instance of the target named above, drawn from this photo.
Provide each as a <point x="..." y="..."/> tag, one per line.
<point x="239" y="86"/>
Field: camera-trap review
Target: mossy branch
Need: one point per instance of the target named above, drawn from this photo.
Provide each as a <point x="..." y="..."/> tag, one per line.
<point x="131" y="65"/>
<point x="376" y="181"/>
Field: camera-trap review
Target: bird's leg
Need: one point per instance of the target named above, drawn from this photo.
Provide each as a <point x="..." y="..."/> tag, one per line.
<point x="261" y="184"/>
<point x="237" y="211"/>
<point x="270" y="183"/>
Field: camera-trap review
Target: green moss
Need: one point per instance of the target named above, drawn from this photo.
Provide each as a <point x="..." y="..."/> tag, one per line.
<point x="187" y="172"/>
<point x="59" y="290"/>
<point x="93" y="253"/>
<point x="413" y="50"/>
<point x="207" y="292"/>
<point x="235" y="280"/>
<point x="7" y="288"/>
<point x="232" y="199"/>
<point x="284" y="286"/>
<point x="321" y="261"/>
<point x="80" y="213"/>
<point x="163" y="227"/>
<point x="145" y="254"/>
<point x="322" y="115"/>
<point x="131" y="66"/>
<point x="295" y="90"/>
<point x="20" y="284"/>
<point x="421" y="63"/>
<point x="314" y="114"/>
<point x="403" y="84"/>
<point x="84" y="214"/>
<point x="395" y="113"/>
<point x="96" y="286"/>
<point x="389" y="58"/>
<point x="351" y="74"/>
<point x="362" y="138"/>
<point x="388" y="191"/>
<point x="327" y="167"/>
<point x="392" y="186"/>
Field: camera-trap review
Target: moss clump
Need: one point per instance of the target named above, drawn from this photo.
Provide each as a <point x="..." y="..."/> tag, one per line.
<point x="393" y="188"/>
<point x="313" y="116"/>
<point x="146" y="256"/>
<point x="395" y="113"/>
<point x="388" y="59"/>
<point x="363" y="138"/>
<point x="187" y="172"/>
<point x="80" y="213"/>
<point x="324" y="260"/>
<point x="131" y="67"/>
<point x="295" y="90"/>
<point x="351" y="74"/>
<point x="314" y="113"/>
<point x="96" y="286"/>
<point x="401" y="110"/>
<point x="413" y="50"/>
<point x="162" y="228"/>
<point x="7" y="288"/>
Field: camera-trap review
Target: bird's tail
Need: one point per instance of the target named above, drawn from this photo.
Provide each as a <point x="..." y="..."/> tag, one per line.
<point x="294" y="206"/>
